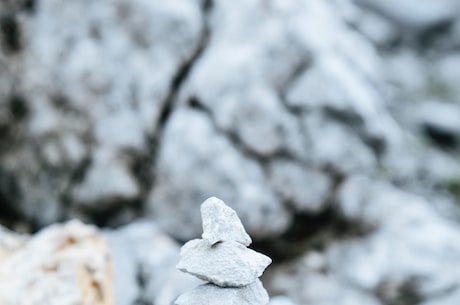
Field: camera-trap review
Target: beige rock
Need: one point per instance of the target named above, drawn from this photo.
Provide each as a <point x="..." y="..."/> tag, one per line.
<point x="62" y="264"/>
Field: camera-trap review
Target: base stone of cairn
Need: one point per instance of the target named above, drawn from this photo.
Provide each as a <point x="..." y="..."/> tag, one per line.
<point x="222" y="258"/>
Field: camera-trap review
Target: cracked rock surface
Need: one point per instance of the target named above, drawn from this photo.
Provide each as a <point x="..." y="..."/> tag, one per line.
<point x="84" y="121"/>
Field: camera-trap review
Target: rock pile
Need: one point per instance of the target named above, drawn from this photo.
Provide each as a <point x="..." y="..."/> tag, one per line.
<point x="222" y="259"/>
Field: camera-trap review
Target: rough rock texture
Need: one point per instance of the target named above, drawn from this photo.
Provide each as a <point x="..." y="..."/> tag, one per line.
<point x="227" y="264"/>
<point x="87" y="85"/>
<point x="63" y="264"/>
<point x="410" y="255"/>
<point x="213" y="166"/>
<point x="282" y="91"/>
<point x="306" y="189"/>
<point x="220" y="223"/>
<point x="209" y="294"/>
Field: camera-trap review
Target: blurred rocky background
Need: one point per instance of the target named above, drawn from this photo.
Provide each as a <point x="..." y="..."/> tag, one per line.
<point x="331" y="126"/>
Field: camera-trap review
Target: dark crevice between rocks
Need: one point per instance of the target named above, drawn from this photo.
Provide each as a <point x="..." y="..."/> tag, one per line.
<point x="313" y="231"/>
<point x="397" y="292"/>
<point x="141" y="168"/>
<point x="113" y="213"/>
<point x="356" y="123"/>
<point x="142" y="277"/>
<point x="19" y="109"/>
<point x="443" y="138"/>
<point x="296" y="73"/>
<point x="171" y="100"/>
<point x="423" y="38"/>
<point x="185" y="69"/>
<point x="29" y="6"/>
<point x="10" y="33"/>
<point x="232" y="136"/>
<point x="10" y="215"/>
<point x="391" y="45"/>
<point x="77" y="175"/>
<point x="62" y="102"/>
<point x="429" y="36"/>
<point x="310" y="232"/>
<point x="118" y="211"/>
<point x="348" y="117"/>
<point x="264" y="160"/>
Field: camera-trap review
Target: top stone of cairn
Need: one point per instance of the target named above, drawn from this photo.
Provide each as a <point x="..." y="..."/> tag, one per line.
<point x="221" y="223"/>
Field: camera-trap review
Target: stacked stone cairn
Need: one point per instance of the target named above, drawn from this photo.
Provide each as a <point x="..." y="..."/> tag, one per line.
<point x="222" y="259"/>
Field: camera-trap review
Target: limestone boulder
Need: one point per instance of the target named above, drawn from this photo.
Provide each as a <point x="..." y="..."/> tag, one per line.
<point x="63" y="264"/>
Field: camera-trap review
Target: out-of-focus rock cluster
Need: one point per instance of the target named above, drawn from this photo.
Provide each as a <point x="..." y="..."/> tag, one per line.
<point x="331" y="127"/>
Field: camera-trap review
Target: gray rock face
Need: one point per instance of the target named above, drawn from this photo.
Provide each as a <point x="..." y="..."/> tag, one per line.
<point x="220" y="223"/>
<point x="411" y="240"/>
<point x="209" y="294"/>
<point x="307" y="189"/>
<point x="281" y="300"/>
<point x="141" y="251"/>
<point x="77" y="111"/>
<point x="281" y="91"/>
<point x="227" y="263"/>
<point x="193" y="168"/>
<point x="412" y="249"/>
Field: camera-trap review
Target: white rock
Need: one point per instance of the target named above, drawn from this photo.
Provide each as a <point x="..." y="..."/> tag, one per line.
<point x="411" y="240"/>
<point x="10" y="242"/>
<point x="334" y="145"/>
<point x="61" y="265"/>
<point x="304" y="286"/>
<point x="221" y="223"/>
<point x="226" y="264"/>
<point x="209" y="294"/>
<point x="447" y="69"/>
<point x="305" y="188"/>
<point x="109" y="179"/>
<point x="141" y="250"/>
<point x="281" y="300"/>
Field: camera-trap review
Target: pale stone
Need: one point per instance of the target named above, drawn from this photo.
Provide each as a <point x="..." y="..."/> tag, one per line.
<point x="221" y="223"/>
<point x="61" y="265"/>
<point x="209" y="294"/>
<point x="281" y="300"/>
<point x="226" y="264"/>
<point x="141" y="250"/>
<point x="10" y="242"/>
